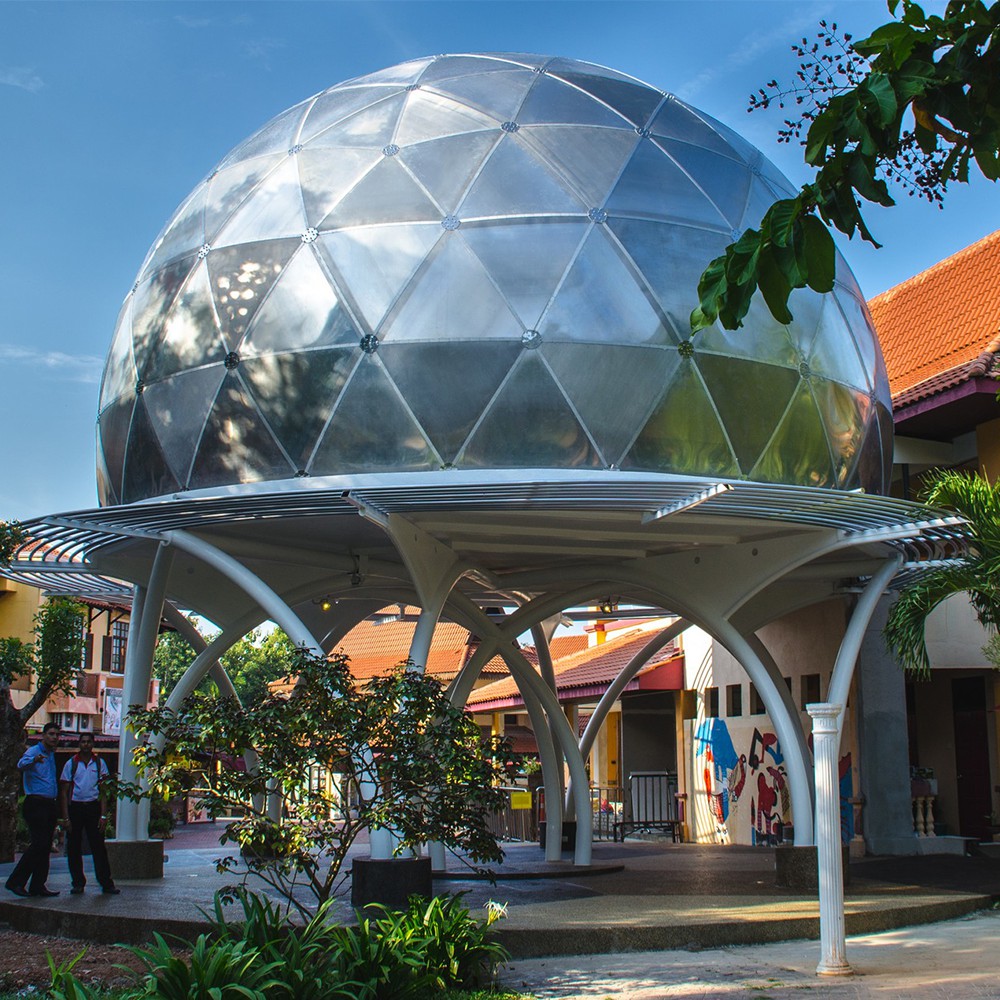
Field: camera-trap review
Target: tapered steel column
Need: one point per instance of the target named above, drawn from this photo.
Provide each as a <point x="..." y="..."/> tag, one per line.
<point x="826" y="746"/>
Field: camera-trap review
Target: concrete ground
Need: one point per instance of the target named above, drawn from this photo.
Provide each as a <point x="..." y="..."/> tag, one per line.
<point x="953" y="960"/>
<point x="637" y="896"/>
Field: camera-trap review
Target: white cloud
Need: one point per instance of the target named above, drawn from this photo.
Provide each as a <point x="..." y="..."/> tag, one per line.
<point x="21" y="76"/>
<point x="65" y="367"/>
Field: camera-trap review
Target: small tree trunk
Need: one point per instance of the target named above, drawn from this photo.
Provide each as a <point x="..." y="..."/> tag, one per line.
<point x="11" y="749"/>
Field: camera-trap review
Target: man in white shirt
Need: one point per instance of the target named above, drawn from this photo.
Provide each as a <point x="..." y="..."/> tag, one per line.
<point x="82" y="804"/>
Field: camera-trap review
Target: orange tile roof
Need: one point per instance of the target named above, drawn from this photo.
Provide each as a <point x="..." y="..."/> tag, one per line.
<point x="942" y="320"/>
<point x="586" y="668"/>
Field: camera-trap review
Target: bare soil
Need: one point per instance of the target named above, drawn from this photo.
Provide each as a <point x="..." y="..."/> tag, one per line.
<point x="23" y="961"/>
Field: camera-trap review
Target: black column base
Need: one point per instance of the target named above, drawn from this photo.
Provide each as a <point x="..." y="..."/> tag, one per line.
<point x="390" y="882"/>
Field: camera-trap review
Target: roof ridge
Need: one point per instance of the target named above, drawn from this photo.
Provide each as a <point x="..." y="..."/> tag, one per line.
<point x="971" y="250"/>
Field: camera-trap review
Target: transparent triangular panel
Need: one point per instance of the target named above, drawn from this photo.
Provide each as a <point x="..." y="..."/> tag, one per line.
<point x="120" y="375"/>
<point x="236" y="446"/>
<point x="514" y="182"/>
<point x="737" y="144"/>
<point x="867" y="472"/>
<point x="376" y="264"/>
<point x="589" y="159"/>
<point x="229" y="188"/>
<point x="654" y="187"/>
<point x="336" y="105"/>
<point x="675" y="120"/>
<point x="683" y="434"/>
<point x="404" y="73"/>
<point x="326" y="175"/>
<point x="833" y="353"/>
<point x="761" y="338"/>
<point x="806" y="307"/>
<point x="615" y="395"/>
<point x="241" y="277"/>
<point x="371" y="430"/>
<point x="750" y="398"/>
<point x="427" y="115"/>
<point x="601" y="300"/>
<point x="372" y="127"/>
<point x="177" y="409"/>
<point x="189" y="334"/>
<point x="277" y="136"/>
<point x="468" y="66"/>
<point x="151" y="303"/>
<point x="726" y="181"/>
<point x="446" y="166"/>
<point x="759" y="200"/>
<point x="386" y="194"/>
<point x="453" y="299"/>
<point x="671" y="259"/>
<point x="799" y="452"/>
<point x="631" y="99"/>
<point x="301" y="311"/>
<point x="775" y="179"/>
<point x="552" y="101"/>
<point x="275" y="209"/>
<point x="448" y="386"/>
<point x="106" y="494"/>
<point x="297" y="392"/>
<point x="844" y="412"/>
<point x="146" y="472"/>
<point x="527" y="261"/>
<point x="862" y="329"/>
<point x="114" y="424"/>
<point x="498" y="94"/>
<point x="530" y="425"/>
<point x="184" y="233"/>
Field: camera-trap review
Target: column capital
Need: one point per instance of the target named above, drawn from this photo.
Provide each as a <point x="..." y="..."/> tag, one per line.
<point x="824" y="715"/>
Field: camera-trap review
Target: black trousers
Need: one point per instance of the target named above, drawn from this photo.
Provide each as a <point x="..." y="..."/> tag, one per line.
<point x="40" y="815"/>
<point x="86" y="816"/>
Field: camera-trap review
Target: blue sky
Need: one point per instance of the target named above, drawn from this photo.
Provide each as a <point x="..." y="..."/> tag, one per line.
<point x="112" y="112"/>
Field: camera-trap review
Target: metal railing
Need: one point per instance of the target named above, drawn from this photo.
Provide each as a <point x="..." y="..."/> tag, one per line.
<point x="518" y="819"/>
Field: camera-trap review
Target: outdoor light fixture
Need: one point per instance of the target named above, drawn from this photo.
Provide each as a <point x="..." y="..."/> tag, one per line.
<point x="608" y="606"/>
<point x="686" y="504"/>
<point x="325" y="604"/>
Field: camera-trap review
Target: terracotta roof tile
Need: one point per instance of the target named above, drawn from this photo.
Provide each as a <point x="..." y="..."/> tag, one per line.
<point x="940" y="322"/>
<point x="586" y="668"/>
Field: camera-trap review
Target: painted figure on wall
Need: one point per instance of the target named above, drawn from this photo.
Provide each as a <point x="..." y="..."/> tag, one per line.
<point x="716" y="761"/>
<point x="770" y="808"/>
<point x="846" y="795"/>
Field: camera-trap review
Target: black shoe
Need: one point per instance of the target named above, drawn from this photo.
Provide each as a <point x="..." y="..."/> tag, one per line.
<point x="76" y="890"/>
<point x="18" y="890"/>
<point x="110" y="890"/>
<point x="42" y="892"/>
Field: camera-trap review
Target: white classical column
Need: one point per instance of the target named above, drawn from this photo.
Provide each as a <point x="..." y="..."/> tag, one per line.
<point x="826" y="747"/>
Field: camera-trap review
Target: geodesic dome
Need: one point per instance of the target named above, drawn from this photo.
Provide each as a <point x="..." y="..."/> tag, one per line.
<point x="478" y="262"/>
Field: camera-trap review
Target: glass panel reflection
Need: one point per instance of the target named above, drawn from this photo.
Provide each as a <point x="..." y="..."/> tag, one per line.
<point x="114" y="424"/>
<point x="683" y="434"/>
<point x="499" y="94"/>
<point x="550" y="100"/>
<point x="146" y="472"/>
<point x="427" y="115"/>
<point x="610" y="414"/>
<point x="633" y="100"/>
<point x="120" y="375"/>
<point x="275" y="209"/>
<point x="799" y="451"/>
<point x="530" y="425"/>
<point x="845" y="423"/>
<point x="446" y="166"/>
<point x="177" y="409"/>
<point x="229" y="188"/>
<point x="448" y="386"/>
<point x="371" y="429"/>
<point x="387" y="193"/>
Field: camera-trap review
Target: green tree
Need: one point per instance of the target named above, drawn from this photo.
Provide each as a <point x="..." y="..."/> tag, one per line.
<point x="916" y="104"/>
<point x="400" y="756"/>
<point x="54" y="658"/>
<point x="171" y="658"/>
<point x="976" y="500"/>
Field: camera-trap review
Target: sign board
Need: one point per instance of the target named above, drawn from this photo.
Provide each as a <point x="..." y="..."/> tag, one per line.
<point x="112" y="712"/>
<point x="520" y="800"/>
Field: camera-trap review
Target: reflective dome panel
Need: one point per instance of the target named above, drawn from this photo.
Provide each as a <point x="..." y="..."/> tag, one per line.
<point x="480" y="261"/>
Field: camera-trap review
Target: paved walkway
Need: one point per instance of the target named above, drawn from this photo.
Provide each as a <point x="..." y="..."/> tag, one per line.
<point x="637" y="896"/>
<point x="954" y="960"/>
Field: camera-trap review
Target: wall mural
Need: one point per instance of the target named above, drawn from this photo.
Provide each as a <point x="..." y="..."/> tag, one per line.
<point x="728" y="779"/>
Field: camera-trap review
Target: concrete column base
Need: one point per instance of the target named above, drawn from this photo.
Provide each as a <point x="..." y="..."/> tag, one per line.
<point x="798" y="868"/>
<point x="390" y="882"/>
<point x="132" y="859"/>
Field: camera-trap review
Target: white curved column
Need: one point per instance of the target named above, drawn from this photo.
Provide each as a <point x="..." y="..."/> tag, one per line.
<point x="147" y="605"/>
<point x="826" y="745"/>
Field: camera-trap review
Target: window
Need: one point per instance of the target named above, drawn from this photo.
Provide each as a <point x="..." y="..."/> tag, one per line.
<point x="756" y="702"/>
<point x="711" y="699"/>
<point x="84" y="725"/>
<point x="84" y="652"/>
<point x="734" y="700"/>
<point x="510" y="720"/>
<point x="119" y="644"/>
<point x="57" y="718"/>
<point x="810" y="690"/>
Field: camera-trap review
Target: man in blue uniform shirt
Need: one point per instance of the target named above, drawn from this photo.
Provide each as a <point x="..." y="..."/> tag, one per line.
<point x="41" y="789"/>
<point x="83" y="806"/>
